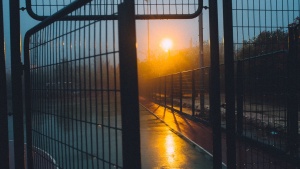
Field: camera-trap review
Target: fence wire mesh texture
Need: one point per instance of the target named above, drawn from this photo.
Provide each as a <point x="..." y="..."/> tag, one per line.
<point x="76" y="81"/>
<point x="75" y="94"/>
<point x="108" y="9"/>
<point x="264" y="42"/>
<point x="266" y="38"/>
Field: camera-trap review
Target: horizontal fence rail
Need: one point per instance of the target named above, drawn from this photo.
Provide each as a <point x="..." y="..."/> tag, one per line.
<point x="100" y="9"/>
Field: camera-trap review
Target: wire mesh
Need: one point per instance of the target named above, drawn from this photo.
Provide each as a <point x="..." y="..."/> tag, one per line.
<point x="261" y="44"/>
<point x="108" y="9"/>
<point x="176" y="92"/>
<point x="75" y="95"/>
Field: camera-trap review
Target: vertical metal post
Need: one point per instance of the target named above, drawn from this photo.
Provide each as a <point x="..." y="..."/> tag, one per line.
<point x="293" y="89"/>
<point x="27" y="84"/>
<point x="193" y="93"/>
<point x="201" y="63"/>
<point x="180" y="90"/>
<point x="4" y="152"/>
<point x="160" y="89"/>
<point x="165" y="91"/>
<point x="16" y="76"/>
<point x="129" y="86"/>
<point x="229" y="85"/>
<point x="214" y="90"/>
<point x="172" y="92"/>
<point x="239" y="97"/>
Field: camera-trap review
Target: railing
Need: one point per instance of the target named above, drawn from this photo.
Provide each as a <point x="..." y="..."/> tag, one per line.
<point x="181" y="92"/>
<point x="262" y="95"/>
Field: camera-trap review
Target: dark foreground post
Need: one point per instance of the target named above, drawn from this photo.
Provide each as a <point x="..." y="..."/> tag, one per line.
<point x="16" y="77"/>
<point x="293" y="90"/>
<point x="214" y="90"/>
<point x="3" y="100"/>
<point x="129" y="86"/>
<point x="229" y="85"/>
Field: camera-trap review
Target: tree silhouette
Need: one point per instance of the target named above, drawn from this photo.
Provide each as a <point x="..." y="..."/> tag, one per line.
<point x="266" y="42"/>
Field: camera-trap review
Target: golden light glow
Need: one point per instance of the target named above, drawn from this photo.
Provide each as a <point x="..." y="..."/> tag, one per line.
<point x="166" y="44"/>
<point x="170" y="148"/>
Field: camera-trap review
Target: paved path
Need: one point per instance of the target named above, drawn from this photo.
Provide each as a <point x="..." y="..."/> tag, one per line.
<point x="201" y="135"/>
<point x="161" y="148"/>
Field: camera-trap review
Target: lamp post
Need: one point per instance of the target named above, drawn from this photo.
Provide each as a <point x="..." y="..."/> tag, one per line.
<point x="148" y="32"/>
<point x="201" y="63"/>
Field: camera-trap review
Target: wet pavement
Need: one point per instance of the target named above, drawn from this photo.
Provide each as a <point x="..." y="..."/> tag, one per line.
<point x="195" y="132"/>
<point x="248" y="155"/>
<point x="164" y="148"/>
<point x="161" y="147"/>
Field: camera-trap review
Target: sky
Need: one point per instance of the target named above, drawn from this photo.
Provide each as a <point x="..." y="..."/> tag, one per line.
<point x="26" y="24"/>
<point x="181" y="32"/>
<point x="247" y="24"/>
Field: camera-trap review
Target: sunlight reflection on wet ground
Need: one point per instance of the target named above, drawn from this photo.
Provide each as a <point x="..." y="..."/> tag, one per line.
<point x="163" y="149"/>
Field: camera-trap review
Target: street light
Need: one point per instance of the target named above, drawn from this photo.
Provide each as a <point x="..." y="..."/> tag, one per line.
<point x="148" y="50"/>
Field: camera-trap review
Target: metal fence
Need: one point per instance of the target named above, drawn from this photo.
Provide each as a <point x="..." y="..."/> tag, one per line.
<point x="81" y="81"/>
<point x="75" y="105"/>
<point x="80" y="60"/>
<point x="263" y="40"/>
<point x="99" y="9"/>
<point x="262" y="76"/>
<point x="75" y="94"/>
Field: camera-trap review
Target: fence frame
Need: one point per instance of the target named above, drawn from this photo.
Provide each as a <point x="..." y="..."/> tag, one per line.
<point x="293" y="89"/>
<point x="4" y="153"/>
<point x="214" y="81"/>
<point x="16" y="78"/>
<point x="115" y="17"/>
<point x="73" y="6"/>
<point x="129" y="86"/>
<point x="229" y="85"/>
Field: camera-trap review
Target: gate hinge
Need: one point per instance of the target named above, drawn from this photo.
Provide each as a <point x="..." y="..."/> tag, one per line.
<point x="22" y="8"/>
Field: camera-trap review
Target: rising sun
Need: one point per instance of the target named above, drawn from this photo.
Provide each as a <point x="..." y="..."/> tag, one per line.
<point x="166" y="44"/>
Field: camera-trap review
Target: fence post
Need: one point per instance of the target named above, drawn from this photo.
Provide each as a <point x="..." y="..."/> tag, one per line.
<point x="193" y="92"/>
<point x="214" y="90"/>
<point x="160" y="90"/>
<point x="165" y="91"/>
<point x="201" y="64"/>
<point x="293" y="89"/>
<point x="16" y="77"/>
<point x="129" y="86"/>
<point x="180" y="90"/>
<point x="27" y="93"/>
<point x="172" y="92"/>
<point x="4" y="153"/>
<point x="239" y="97"/>
<point x="229" y="85"/>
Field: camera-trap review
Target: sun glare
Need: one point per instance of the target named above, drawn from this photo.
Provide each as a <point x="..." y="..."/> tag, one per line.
<point x="166" y="44"/>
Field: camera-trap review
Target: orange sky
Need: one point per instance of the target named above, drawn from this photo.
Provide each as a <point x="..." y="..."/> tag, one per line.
<point x="180" y="31"/>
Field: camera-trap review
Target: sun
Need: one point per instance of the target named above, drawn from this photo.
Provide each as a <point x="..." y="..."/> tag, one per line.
<point x="166" y="44"/>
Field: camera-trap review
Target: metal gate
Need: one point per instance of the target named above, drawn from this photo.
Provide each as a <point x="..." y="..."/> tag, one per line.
<point x="81" y="93"/>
